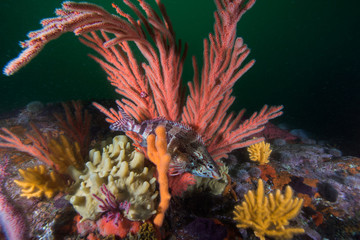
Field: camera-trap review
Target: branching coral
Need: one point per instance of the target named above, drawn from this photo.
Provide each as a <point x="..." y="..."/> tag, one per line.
<point x="65" y="154"/>
<point x="260" y="152"/>
<point x="39" y="182"/>
<point x="269" y="215"/>
<point x="77" y="125"/>
<point x="157" y="152"/>
<point x="153" y="87"/>
<point x="56" y="153"/>
<point x="38" y="148"/>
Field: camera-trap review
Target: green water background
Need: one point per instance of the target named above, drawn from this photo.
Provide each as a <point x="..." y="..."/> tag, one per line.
<point x="307" y="58"/>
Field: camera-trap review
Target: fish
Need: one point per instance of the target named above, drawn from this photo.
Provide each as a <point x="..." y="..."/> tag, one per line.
<point x="186" y="147"/>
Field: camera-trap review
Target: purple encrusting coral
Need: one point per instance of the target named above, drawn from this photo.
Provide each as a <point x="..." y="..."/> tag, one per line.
<point x="111" y="206"/>
<point x="11" y="220"/>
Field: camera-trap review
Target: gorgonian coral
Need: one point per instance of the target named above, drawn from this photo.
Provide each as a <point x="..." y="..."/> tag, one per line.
<point x="269" y="215"/>
<point x="259" y="152"/>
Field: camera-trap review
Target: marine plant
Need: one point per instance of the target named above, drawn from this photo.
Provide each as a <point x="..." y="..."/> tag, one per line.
<point x="154" y="88"/>
<point x="259" y="152"/>
<point x="269" y="215"/>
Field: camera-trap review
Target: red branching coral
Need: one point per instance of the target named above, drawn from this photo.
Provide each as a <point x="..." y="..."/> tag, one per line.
<point x="153" y="88"/>
<point x="76" y="125"/>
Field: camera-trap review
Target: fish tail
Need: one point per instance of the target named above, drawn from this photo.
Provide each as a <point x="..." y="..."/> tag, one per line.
<point x="126" y="123"/>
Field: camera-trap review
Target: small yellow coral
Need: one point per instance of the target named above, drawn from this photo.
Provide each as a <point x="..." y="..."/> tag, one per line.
<point x="260" y="152"/>
<point x="269" y="215"/>
<point x="38" y="182"/>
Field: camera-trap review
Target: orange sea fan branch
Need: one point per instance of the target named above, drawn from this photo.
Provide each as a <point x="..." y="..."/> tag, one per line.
<point x="223" y="56"/>
<point x="37" y="149"/>
<point x="77" y="125"/>
<point x="235" y="135"/>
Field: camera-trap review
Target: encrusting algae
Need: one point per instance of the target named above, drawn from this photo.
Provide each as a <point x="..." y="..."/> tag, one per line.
<point x="269" y="215"/>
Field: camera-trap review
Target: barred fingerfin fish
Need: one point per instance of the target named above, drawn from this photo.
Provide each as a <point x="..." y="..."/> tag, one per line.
<point x="187" y="150"/>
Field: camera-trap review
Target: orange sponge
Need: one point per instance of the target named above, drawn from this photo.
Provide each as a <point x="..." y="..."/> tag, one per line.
<point x="157" y="152"/>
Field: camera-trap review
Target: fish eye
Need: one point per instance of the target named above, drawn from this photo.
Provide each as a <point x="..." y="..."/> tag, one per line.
<point x="211" y="166"/>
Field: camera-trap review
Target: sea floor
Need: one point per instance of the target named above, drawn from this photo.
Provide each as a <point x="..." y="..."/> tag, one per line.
<point x="328" y="182"/>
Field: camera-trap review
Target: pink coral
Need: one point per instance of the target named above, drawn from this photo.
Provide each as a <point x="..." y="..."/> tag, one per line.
<point x="12" y="221"/>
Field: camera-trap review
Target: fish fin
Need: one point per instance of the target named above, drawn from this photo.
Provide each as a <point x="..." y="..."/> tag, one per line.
<point x="119" y="125"/>
<point x="177" y="168"/>
<point x="124" y="114"/>
<point x="124" y="124"/>
<point x="161" y="118"/>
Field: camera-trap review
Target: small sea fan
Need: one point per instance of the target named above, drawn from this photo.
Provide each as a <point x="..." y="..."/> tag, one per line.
<point x="260" y="152"/>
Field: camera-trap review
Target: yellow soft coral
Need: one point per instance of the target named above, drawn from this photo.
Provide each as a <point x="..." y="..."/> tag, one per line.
<point x="65" y="154"/>
<point x="38" y="182"/>
<point x="269" y="215"/>
<point x="259" y="152"/>
<point x="157" y="152"/>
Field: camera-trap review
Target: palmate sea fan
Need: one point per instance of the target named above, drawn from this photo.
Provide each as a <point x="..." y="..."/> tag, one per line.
<point x="153" y="88"/>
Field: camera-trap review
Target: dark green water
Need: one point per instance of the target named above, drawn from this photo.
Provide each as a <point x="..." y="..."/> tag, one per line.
<point x="307" y="58"/>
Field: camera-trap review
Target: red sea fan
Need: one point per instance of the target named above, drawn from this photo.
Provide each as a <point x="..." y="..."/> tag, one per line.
<point x="153" y="88"/>
<point x="178" y="184"/>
